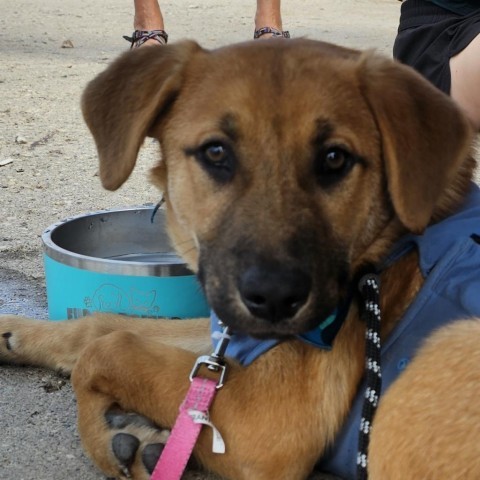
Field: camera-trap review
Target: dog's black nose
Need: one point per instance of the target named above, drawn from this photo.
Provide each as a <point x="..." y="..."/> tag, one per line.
<point x="274" y="293"/>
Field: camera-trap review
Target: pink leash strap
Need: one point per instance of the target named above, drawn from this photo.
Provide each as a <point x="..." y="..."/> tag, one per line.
<point x="182" y="439"/>
<point x="193" y="414"/>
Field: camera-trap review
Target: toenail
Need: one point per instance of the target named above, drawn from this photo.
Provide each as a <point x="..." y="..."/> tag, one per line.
<point x="151" y="454"/>
<point x="124" y="448"/>
<point x="6" y="336"/>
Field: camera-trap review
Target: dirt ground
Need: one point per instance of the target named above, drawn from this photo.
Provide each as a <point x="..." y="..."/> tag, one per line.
<point x="49" y="51"/>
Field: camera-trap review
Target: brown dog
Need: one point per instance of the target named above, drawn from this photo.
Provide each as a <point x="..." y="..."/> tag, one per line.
<point x="287" y="167"/>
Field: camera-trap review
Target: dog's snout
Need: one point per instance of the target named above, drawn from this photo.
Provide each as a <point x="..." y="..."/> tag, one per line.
<point x="275" y="293"/>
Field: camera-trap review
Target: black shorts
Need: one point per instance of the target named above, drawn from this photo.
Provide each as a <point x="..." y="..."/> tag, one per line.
<point x="428" y="36"/>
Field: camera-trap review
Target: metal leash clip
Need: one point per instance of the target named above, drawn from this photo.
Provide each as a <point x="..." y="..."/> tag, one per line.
<point x="216" y="361"/>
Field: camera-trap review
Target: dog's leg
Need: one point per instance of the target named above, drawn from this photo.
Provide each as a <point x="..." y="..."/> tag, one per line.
<point x="428" y="422"/>
<point x="257" y="412"/>
<point x="57" y="345"/>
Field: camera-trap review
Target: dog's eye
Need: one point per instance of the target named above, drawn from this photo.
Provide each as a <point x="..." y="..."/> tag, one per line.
<point x="218" y="159"/>
<point x="215" y="153"/>
<point x="335" y="160"/>
<point x="332" y="164"/>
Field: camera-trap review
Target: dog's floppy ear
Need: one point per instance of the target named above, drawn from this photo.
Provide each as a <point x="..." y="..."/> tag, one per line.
<point x="424" y="137"/>
<point x="120" y="104"/>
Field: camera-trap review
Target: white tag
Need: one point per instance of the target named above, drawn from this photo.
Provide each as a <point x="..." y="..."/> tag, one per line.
<point x="203" y="418"/>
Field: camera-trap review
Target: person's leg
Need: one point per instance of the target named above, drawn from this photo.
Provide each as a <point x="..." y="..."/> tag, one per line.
<point x="268" y="16"/>
<point x="465" y="74"/>
<point x="148" y="17"/>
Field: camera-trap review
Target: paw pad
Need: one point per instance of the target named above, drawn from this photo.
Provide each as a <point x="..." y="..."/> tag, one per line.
<point x="135" y="438"/>
<point x="125" y="448"/>
<point x="118" y="419"/>
<point x="150" y="455"/>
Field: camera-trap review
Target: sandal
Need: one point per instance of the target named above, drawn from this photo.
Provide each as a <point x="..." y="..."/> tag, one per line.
<point x="274" y="31"/>
<point x="139" y="37"/>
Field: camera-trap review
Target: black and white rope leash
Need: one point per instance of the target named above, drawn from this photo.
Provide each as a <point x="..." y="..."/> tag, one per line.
<point x="370" y="289"/>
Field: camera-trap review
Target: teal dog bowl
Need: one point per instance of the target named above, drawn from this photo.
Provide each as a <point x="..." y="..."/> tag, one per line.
<point x="118" y="261"/>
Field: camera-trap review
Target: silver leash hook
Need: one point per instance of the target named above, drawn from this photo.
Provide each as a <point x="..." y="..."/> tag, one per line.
<point x="216" y="361"/>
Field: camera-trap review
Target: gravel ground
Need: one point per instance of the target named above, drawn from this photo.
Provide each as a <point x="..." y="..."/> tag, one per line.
<point x="49" y="50"/>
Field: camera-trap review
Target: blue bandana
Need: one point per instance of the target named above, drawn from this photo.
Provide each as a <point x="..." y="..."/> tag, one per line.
<point x="245" y="349"/>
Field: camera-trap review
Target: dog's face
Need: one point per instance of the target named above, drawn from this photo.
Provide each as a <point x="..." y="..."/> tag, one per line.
<point x="286" y="165"/>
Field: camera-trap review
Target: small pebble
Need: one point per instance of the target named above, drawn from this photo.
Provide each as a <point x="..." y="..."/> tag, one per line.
<point x="21" y="140"/>
<point x="67" y="44"/>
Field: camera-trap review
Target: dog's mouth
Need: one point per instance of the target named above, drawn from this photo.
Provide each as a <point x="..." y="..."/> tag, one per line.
<point x="273" y="302"/>
<point x="285" y="328"/>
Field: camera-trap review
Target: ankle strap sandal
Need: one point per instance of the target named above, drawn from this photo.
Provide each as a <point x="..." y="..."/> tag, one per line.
<point x="139" y="37"/>
<point x="274" y="31"/>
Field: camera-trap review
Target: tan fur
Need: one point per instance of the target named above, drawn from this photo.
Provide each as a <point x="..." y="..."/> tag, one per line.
<point x="270" y="102"/>
<point x="433" y="408"/>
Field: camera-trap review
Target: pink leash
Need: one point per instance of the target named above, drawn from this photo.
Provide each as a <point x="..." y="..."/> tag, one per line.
<point x="193" y="414"/>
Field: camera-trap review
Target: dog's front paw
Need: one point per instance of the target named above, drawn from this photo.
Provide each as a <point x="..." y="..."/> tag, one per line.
<point x="11" y="332"/>
<point x="136" y="443"/>
<point x="26" y="341"/>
